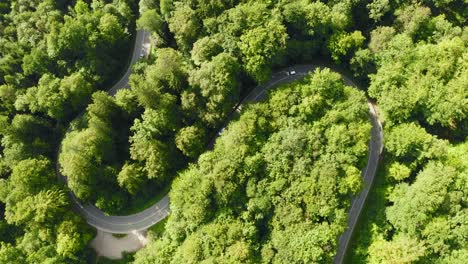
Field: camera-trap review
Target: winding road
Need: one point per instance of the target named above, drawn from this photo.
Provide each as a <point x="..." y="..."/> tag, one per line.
<point x="160" y="210"/>
<point x="129" y="223"/>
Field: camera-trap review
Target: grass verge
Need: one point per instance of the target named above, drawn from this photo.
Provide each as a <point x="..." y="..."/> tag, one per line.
<point x="119" y="235"/>
<point x="158" y="229"/>
<point x="372" y="220"/>
<point x="141" y="203"/>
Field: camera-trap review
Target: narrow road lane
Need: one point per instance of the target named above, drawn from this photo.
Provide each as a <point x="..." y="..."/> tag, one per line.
<point x="160" y="210"/>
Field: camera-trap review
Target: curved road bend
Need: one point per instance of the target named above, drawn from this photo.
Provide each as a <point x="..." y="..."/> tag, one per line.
<point x="376" y="145"/>
<point x="94" y="216"/>
<point x="160" y="210"/>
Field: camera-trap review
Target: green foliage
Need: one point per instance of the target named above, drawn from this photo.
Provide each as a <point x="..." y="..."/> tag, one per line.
<point x="70" y="238"/>
<point x="378" y="8"/>
<point x="399" y="171"/>
<point x="151" y="21"/>
<point x="400" y="250"/>
<point x="90" y="158"/>
<point x="412" y="18"/>
<point x="77" y="154"/>
<point x="426" y="79"/>
<point x="190" y="140"/>
<point x="425" y="215"/>
<point x="131" y="177"/>
<point x="216" y="83"/>
<point x="11" y="255"/>
<point x="380" y="38"/>
<point x="277" y="186"/>
<point x="30" y="176"/>
<point x="127" y="101"/>
<point x="34" y="202"/>
<point x="427" y="194"/>
<point x="342" y="44"/>
<point x="55" y="59"/>
<point x="260" y="46"/>
<point x="419" y="82"/>
<point x="157" y="86"/>
<point x="166" y="7"/>
<point x="229" y="242"/>
<point x="185" y="25"/>
<point x="307" y="19"/>
<point x="205" y="49"/>
<point x="412" y="144"/>
<point x="25" y="137"/>
<point x="270" y="177"/>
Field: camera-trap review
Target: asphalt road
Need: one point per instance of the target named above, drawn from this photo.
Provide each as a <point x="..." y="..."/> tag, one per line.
<point x="160" y="210"/>
<point x="374" y="153"/>
<point x="142" y="39"/>
<point x="94" y="216"/>
<point x="376" y="145"/>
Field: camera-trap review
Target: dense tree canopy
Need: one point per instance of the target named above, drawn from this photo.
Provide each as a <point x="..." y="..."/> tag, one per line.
<point x="209" y="55"/>
<point x="35" y="202"/>
<point x="277" y="186"/>
<point x="53" y="56"/>
<point x="286" y="166"/>
<point x="416" y="61"/>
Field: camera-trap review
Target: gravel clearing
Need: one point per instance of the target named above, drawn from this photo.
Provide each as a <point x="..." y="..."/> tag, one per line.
<point x="106" y="245"/>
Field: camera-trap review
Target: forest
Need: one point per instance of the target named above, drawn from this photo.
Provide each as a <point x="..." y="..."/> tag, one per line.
<point x="277" y="184"/>
<point x="276" y="187"/>
<point x="418" y="73"/>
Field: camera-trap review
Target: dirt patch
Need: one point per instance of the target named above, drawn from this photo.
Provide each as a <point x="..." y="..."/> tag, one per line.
<point x="106" y="245"/>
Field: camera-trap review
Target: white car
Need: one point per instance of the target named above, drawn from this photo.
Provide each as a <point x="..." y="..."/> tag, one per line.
<point x="292" y="72"/>
<point x="142" y="54"/>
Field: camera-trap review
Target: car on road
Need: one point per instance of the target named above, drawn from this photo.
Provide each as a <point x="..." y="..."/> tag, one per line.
<point x="293" y="72"/>
<point x="221" y="131"/>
